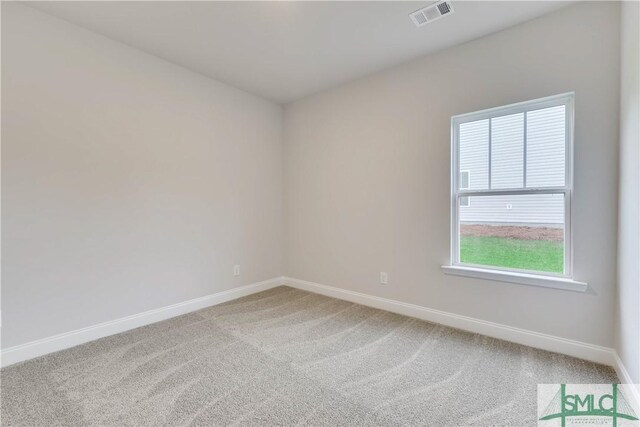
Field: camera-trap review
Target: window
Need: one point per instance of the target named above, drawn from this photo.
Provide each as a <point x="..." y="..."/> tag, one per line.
<point x="514" y="219"/>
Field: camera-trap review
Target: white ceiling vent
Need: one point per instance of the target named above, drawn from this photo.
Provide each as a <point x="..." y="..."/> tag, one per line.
<point x="431" y="13"/>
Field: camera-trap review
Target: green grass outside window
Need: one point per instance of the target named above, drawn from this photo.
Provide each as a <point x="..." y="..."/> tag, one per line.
<point x="537" y="255"/>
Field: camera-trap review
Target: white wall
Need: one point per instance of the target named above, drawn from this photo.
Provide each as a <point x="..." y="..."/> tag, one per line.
<point x="128" y="183"/>
<point x="628" y="318"/>
<point x="367" y="172"/>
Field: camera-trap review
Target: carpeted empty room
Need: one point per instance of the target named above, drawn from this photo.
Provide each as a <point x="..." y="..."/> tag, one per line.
<point x="289" y="357"/>
<point x="327" y="213"/>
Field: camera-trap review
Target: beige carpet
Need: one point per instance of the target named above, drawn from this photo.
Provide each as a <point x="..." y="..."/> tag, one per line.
<point x="288" y="357"/>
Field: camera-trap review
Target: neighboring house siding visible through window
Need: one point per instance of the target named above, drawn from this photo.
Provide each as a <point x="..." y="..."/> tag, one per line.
<point x="546" y="147"/>
<point x="536" y="209"/>
<point x="474" y="152"/>
<point x="507" y="147"/>
<point x="545" y="165"/>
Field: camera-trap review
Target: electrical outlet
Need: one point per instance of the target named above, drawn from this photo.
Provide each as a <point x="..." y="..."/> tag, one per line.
<point x="384" y="278"/>
<point x="236" y="270"/>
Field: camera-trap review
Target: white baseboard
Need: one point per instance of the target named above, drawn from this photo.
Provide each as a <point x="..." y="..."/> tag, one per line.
<point x="629" y="388"/>
<point x="594" y="353"/>
<point x="58" y="342"/>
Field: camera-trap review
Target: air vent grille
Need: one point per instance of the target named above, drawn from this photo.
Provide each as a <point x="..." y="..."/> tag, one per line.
<point x="431" y="13"/>
<point x="420" y="18"/>
<point x="444" y="8"/>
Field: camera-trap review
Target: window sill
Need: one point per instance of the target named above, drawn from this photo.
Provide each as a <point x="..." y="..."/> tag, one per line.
<point x="514" y="277"/>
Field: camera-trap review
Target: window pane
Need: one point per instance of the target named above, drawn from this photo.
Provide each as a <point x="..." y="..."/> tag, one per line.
<point x="507" y="151"/>
<point x="515" y="232"/>
<point x="474" y="153"/>
<point x="546" y="144"/>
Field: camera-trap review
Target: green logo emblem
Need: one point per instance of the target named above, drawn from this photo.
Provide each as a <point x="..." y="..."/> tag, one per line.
<point x="584" y="401"/>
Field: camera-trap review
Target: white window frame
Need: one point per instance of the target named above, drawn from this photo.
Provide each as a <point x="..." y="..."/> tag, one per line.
<point x="562" y="281"/>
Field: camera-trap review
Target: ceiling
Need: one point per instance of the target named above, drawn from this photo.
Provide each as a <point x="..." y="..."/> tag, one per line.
<point x="284" y="51"/>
